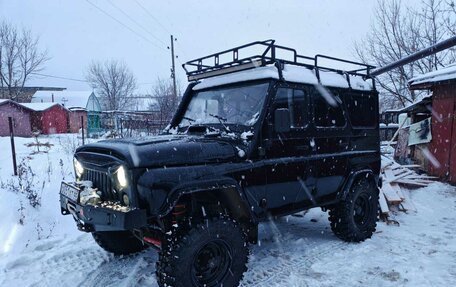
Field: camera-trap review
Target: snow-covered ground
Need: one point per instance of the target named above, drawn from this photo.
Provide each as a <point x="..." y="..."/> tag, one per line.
<point x="47" y="250"/>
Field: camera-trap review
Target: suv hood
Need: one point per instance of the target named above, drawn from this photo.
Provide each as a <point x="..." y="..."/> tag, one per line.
<point x="169" y="150"/>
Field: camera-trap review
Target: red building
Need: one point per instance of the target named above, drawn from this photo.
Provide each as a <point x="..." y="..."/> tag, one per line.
<point x="74" y="120"/>
<point x="21" y="118"/>
<point x="48" y="118"/>
<point x="442" y="147"/>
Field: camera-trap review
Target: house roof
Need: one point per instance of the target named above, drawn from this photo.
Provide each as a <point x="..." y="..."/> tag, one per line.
<point x="39" y="107"/>
<point x="68" y="99"/>
<point x="11" y="102"/>
<point x="422" y="106"/>
<point x="429" y="79"/>
<point x="36" y="107"/>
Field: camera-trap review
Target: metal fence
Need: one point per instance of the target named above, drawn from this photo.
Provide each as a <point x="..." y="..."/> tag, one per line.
<point x="130" y="124"/>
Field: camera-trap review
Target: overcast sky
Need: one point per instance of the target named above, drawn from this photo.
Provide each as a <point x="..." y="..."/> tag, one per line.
<point x="76" y="32"/>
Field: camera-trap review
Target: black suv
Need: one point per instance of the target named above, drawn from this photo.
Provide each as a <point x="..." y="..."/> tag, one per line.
<point x="253" y="138"/>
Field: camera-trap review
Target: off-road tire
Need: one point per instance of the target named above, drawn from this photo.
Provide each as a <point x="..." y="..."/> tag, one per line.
<point x="355" y="218"/>
<point x="181" y="255"/>
<point x="118" y="242"/>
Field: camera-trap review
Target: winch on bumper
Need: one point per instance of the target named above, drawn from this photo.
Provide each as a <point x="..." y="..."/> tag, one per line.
<point x="98" y="216"/>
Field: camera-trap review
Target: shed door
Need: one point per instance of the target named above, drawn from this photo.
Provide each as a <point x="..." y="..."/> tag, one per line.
<point x="452" y="177"/>
<point x="442" y="127"/>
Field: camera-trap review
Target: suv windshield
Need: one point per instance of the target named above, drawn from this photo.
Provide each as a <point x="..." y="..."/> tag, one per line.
<point x="239" y="105"/>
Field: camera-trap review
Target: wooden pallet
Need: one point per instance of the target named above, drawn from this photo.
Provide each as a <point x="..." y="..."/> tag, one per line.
<point x="397" y="181"/>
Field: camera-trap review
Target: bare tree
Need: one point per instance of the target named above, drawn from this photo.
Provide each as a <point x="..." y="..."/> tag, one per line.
<point x="113" y="82"/>
<point x="20" y="58"/>
<point x="167" y="102"/>
<point x="399" y="31"/>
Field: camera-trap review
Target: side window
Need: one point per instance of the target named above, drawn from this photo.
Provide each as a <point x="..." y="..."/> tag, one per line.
<point x="362" y="110"/>
<point x="326" y="115"/>
<point x="296" y="101"/>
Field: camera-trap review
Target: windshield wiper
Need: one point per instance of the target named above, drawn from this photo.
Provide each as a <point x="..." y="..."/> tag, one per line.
<point x="189" y="119"/>
<point x="221" y="120"/>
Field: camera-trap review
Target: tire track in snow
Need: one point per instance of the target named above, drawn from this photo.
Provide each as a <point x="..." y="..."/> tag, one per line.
<point x="302" y="244"/>
<point x="80" y="262"/>
<point x="132" y="270"/>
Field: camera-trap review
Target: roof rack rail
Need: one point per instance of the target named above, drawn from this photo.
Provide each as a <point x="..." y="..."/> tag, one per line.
<point x="211" y="65"/>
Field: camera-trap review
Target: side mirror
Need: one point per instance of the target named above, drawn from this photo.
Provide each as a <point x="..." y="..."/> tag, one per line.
<point x="281" y="120"/>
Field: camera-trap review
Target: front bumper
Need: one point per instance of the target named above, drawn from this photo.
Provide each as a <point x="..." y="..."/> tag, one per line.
<point x="103" y="216"/>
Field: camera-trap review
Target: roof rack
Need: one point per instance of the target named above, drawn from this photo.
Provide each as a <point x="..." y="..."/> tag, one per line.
<point x="211" y="65"/>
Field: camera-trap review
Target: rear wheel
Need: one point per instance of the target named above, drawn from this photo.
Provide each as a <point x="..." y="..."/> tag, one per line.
<point x="118" y="242"/>
<point x="355" y="218"/>
<point x="214" y="253"/>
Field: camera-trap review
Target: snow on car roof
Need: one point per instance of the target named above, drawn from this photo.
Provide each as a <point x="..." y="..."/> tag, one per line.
<point x="291" y="73"/>
<point x="447" y="73"/>
<point x="69" y="99"/>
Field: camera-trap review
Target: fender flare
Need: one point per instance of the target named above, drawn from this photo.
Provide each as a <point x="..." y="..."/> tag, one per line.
<point x="352" y="178"/>
<point x="223" y="184"/>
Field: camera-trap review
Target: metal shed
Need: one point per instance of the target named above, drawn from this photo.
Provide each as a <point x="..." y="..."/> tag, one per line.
<point x="442" y="148"/>
<point x="48" y="118"/>
<point x="75" y="101"/>
<point x="21" y="118"/>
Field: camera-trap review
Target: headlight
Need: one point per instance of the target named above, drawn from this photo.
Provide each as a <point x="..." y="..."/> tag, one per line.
<point x="122" y="177"/>
<point x="79" y="169"/>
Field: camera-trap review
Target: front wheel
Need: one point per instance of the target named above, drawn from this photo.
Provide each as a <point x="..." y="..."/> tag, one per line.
<point x="355" y="218"/>
<point x="213" y="253"/>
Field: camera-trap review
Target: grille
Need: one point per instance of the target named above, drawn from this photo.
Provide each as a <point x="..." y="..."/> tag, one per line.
<point x="102" y="182"/>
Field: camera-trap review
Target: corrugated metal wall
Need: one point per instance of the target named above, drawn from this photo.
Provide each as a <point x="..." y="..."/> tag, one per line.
<point x="21" y="120"/>
<point x="444" y="132"/>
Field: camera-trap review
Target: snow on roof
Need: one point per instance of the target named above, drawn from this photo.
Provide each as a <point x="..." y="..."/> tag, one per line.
<point x="447" y="73"/>
<point x="68" y="99"/>
<point x="39" y="107"/>
<point x="291" y="73"/>
<point x="3" y="100"/>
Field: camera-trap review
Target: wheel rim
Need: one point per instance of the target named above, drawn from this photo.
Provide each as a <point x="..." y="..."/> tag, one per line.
<point x="211" y="264"/>
<point x="362" y="210"/>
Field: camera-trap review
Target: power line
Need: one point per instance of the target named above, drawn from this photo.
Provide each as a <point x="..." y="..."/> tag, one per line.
<point x="79" y="80"/>
<point x="118" y="21"/>
<point x="136" y="22"/>
<point x="156" y="20"/>
<point x="58" y="77"/>
<point x="152" y="16"/>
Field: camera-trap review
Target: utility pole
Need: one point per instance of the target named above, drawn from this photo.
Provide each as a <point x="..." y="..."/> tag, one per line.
<point x="173" y="67"/>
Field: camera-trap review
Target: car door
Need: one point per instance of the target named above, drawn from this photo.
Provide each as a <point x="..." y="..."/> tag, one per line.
<point x="332" y="143"/>
<point x="287" y="154"/>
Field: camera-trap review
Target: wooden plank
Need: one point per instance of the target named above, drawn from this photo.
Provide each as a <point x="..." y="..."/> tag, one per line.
<point x="399" y="176"/>
<point x="422" y="177"/>
<point x="390" y="194"/>
<point x="408" y="204"/>
<point x="407" y="166"/>
<point x="387" y="165"/>
<point x="388" y="174"/>
<point x="399" y="192"/>
<point x="383" y="204"/>
<point x="399" y="172"/>
<point x="413" y="183"/>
